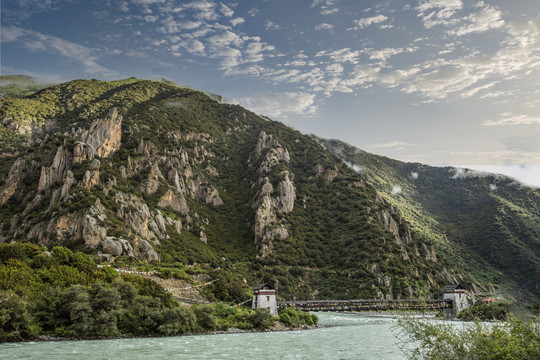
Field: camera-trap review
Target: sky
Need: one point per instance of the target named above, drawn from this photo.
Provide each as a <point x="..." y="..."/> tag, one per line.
<point x="440" y="82"/>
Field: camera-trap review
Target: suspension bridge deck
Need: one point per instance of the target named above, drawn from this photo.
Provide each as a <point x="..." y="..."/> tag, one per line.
<point x="365" y="305"/>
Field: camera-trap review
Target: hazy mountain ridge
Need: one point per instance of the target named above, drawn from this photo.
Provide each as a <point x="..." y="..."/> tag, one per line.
<point x="488" y="223"/>
<point x="149" y="170"/>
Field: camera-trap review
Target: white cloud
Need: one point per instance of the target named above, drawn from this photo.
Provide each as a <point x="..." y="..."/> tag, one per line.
<point x="355" y="167"/>
<point x="253" y="12"/>
<point x="226" y="11"/>
<point x="528" y="175"/>
<point x="487" y="18"/>
<point x="384" y="54"/>
<point x="268" y="25"/>
<point x="205" y="10"/>
<point x="39" y="42"/>
<point x="414" y="175"/>
<point x="124" y="6"/>
<point x="195" y="46"/>
<point x="362" y="23"/>
<point x="438" y="12"/>
<point x="396" y="189"/>
<point x="151" y="18"/>
<point x="24" y="9"/>
<point x="324" y="26"/>
<point x="335" y="68"/>
<point x="189" y="25"/>
<point x="327" y="6"/>
<point x="397" y="145"/>
<point x="508" y="119"/>
<point x="237" y="21"/>
<point x="280" y="104"/>
<point x="342" y="55"/>
<point x="147" y="2"/>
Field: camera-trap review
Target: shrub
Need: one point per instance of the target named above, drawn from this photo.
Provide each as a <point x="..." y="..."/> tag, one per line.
<point x="440" y="340"/>
<point x="15" y="320"/>
<point x="485" y="311"/>
<point x="294" y="318"/>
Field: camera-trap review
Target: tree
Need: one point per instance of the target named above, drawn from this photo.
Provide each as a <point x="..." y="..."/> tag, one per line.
<point x="15" y="320"/>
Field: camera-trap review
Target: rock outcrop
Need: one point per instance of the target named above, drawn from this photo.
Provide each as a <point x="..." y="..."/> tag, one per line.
<point x="91" y="177"/>
<point x="14" y="177"/>
<point x="104" y="135"/>
<point x="174" y="201"/>
<point x="152" y="182"/>
<point x="56" y="172"/>
<point x="275" y="154"/>
<point x="287" y="194"/>
<point x="267" y="227"/>
<point x="135" y="212"/>
<point x="82" y="152"/>
<point x="92" y="233"/>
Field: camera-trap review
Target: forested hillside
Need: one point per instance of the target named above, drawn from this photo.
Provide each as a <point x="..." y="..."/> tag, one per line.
<point x="487" y="223"/>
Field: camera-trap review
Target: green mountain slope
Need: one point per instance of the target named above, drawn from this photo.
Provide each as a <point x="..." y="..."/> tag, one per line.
<point x="488" y="224"/>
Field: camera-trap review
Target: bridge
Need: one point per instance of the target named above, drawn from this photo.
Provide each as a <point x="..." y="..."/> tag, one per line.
<point x="365" y="305"/>
<point x="454" y="301"/>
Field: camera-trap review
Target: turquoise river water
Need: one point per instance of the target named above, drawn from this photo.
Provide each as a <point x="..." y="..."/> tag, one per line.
<point x="343" y="336"/>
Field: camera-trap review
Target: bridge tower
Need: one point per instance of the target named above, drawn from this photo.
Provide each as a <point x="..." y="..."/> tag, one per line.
<point x="458" y="297"/>
<point x="264" y="298"/>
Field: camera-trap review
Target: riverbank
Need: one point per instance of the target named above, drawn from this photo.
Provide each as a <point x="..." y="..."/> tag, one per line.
<point x="278" y="327"/>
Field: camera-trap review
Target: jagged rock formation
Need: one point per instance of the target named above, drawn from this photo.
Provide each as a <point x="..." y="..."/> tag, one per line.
<point x="91" y="177"/>
<point x="175" y="201"/>
<point x="104" y="136"/>
<point x="267" y="228"/>
<point x="56" y="172"/>
<point x="15" y="175"/>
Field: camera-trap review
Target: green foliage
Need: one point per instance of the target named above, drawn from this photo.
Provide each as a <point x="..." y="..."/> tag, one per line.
<point x="439" y="340"/>
<point x="228" y="288"/>
<point x="18" y="85"/>
<point x="293" y="318"/>
<point x="481" y="311"/>
<point x="16" y="322"/>
<point x="261" y="319"/>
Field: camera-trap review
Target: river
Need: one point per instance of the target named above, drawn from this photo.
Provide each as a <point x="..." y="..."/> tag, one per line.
<point x="342" y="336"/>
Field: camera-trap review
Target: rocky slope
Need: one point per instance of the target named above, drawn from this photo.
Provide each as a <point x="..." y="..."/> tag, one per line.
<point x="147" y="170"/>
<point x="487" y="223"/>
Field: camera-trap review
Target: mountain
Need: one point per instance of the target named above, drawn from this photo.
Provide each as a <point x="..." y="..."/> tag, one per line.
<point x="142" y="170"/>
<point x="489" y="224"/>
<point x="18" y="85"/>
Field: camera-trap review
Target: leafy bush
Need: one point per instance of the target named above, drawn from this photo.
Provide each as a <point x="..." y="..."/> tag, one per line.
<point x="485" y="311"/>
<point x="16" y="322"/>
<point x="293" y="318"/>
<point x="439" y="340"/>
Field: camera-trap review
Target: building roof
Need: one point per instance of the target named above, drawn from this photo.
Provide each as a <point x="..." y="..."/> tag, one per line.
<point x="452" y="288"/>
<point x="261" y="286"/>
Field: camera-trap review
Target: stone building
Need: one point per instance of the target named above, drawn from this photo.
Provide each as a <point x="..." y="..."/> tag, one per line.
<point x="264" y="298"/>
<point x="458" y="297"/>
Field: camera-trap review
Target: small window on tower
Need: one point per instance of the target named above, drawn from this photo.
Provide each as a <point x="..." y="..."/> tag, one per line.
<point x="268" y="298"/>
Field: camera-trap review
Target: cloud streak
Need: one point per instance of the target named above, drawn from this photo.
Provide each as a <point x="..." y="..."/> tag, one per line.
<point x="280" y="104"/>
<point x="37" y="42"/>
<point x="509" y="119"/>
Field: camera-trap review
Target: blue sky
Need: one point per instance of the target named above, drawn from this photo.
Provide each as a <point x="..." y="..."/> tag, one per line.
<point x="442" y="82"/>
